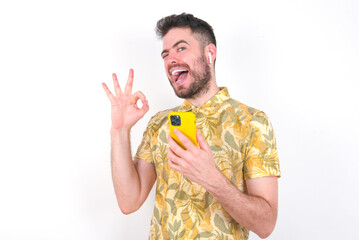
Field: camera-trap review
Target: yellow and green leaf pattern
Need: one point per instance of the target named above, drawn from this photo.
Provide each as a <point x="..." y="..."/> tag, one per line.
<point x="243" y="145"/>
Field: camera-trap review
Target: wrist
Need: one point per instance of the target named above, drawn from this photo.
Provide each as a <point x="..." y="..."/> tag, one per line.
<point x="122" y="130"/>
<point x="119" y="134"/>
<point x="217" y="181"/>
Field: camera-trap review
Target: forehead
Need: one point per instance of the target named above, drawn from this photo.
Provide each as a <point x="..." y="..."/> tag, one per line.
<point x="176" y="34"/>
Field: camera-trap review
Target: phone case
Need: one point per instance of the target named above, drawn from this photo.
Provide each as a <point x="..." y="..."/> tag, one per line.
<point x="187" y="126"/>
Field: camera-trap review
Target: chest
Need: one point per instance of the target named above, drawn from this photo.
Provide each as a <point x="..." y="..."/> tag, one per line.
<point x="227" y="140"/>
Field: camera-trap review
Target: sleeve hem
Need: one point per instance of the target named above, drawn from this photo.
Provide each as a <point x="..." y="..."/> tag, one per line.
<point x="278" y="174"/>
<point x="144" y="159"/>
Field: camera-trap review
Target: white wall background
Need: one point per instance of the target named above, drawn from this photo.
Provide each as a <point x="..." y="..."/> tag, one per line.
<point x="295" y="60"/>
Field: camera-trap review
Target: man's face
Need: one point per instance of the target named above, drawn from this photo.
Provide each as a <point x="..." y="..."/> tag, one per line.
<point x="185" y="64"/>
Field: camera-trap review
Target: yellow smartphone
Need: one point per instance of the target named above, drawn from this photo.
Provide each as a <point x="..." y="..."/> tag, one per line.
<point x="186" y="123"/>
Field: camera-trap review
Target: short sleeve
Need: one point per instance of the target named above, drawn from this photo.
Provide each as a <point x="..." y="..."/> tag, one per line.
<point x="261" y="156"/>
<point x="144" y="150"/>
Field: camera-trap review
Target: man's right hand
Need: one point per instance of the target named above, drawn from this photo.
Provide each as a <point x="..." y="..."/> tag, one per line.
<point x="124" y="110"/>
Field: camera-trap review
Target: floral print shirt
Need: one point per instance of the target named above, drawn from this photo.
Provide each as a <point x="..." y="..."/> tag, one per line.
<point x="243" y="145"/>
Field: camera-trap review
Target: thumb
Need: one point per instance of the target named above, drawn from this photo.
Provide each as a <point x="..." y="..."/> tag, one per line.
<point x="145" y="107"/>
<point x="202" y="142"/>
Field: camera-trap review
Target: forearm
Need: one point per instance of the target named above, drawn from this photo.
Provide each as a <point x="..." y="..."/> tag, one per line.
<point x="124" y="174"/>
<point x="254" y="213"/>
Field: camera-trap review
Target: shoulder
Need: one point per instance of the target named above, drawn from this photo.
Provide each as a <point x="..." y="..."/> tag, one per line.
<point x="160" y="118"/>
<point x="245" y="111"/>
<point x="248" y="116"/>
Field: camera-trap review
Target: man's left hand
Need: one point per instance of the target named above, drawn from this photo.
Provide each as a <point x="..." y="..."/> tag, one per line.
<point x="196" y="163"/>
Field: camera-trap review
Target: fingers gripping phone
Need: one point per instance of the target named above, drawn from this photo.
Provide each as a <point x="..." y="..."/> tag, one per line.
<point x="186" y="123"/>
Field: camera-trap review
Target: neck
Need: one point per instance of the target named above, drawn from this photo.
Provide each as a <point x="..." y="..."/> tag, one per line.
<point x="203" y="98"/>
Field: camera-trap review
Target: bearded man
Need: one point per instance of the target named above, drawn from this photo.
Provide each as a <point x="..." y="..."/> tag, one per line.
<point x="221" y="189"/>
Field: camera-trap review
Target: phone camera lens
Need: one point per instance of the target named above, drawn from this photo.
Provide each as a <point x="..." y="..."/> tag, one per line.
<point x="175" y="120"/>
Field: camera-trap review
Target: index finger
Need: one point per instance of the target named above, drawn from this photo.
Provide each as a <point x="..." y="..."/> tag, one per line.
<point x="128" y="88"/>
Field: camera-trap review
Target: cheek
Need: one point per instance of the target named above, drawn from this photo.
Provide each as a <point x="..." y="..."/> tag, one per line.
<point x="166" y="68"/>
<point x="186" y="60"/>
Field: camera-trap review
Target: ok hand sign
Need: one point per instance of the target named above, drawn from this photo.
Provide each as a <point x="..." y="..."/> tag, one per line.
<point x="124" y="110"/>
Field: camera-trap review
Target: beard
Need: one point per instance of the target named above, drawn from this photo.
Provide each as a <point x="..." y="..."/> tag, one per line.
<point x="201" y="78"/>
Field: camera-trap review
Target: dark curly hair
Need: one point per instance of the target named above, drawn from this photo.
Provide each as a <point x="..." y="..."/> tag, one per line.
<point x="198" y="26"/>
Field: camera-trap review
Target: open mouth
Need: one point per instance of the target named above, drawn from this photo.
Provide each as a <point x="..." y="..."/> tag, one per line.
<point x="179" y="75"/>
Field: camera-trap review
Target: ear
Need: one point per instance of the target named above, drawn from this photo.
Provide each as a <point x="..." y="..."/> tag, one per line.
<point x="211" y="53"/>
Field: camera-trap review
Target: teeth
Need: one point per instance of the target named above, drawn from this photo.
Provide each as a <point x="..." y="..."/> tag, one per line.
<point x="177" y="72"/>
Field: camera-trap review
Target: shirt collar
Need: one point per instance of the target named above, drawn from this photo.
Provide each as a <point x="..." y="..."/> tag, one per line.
<point x="219" y="98"/>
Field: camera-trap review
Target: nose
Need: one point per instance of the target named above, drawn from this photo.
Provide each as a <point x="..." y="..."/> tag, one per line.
<point x="172" y="58"/>
<point x="170" y="61"/>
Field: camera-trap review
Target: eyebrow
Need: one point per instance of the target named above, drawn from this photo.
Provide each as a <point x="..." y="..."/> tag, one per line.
<point x="174" y="45"/>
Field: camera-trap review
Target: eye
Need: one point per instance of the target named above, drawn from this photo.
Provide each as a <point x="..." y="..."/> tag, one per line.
<point x="164" y="56"/>
<point x="181" y="49"/>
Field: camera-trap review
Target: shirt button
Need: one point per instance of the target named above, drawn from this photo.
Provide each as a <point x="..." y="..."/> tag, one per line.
<point x="195" y="110"/>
